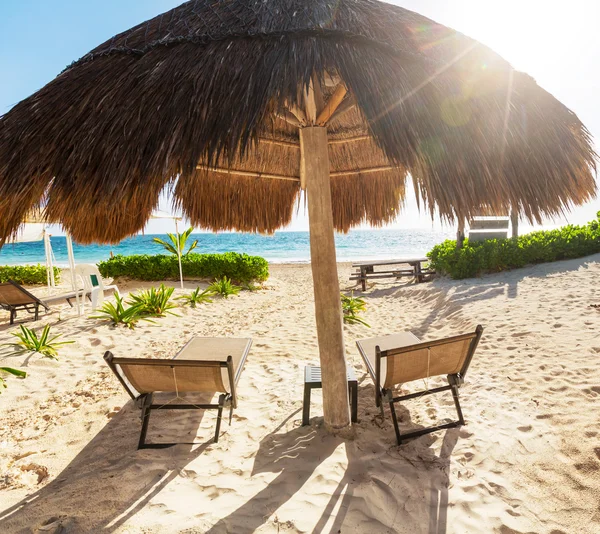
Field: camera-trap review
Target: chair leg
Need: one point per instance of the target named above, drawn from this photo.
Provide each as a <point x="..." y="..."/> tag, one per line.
<point x="461" y="419"/>
<point x="13" y="315"/>
<point x="219" y="417"/>
<point x="146" y="401"/>
<point x="395" y="421"/>
<point x="37" y="312"/>
<point x="306" y="405"/>
<point x="353" y="401"/>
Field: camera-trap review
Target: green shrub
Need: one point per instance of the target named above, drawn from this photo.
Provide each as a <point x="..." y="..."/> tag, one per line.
<point x="9" y="370"/>
<point x="197" y="297"/>
<point x="498" y="255"/>
<point x="45" y="345"/>
<point x="27" y="275"/>
<point x="352" y="306"/>
<point x="224" y="287"/>
<point x="154" y="302"/>
<point x="118" y="314"/>
<point x="241" y="268"/>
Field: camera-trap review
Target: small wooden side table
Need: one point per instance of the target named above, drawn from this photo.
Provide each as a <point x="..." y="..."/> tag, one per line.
<point x="312" y="380"/>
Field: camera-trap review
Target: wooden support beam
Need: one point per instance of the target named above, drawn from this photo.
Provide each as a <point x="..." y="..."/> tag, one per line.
<point x="280" y="142"/>
<point x="331" y="106"/>
<point x="290" y="118"/>
<point x="343" y="108"/>
<point x="319" y="98"/>
<point x="328" y="309"/>
<point x="248" y="173"/>
<point x="362" y="171"/>
<point x="297" y="112"/>
<point x="460" y="233"/>
<point x="349" y="140"/>
<point x="514" y="222"/>
<point x="310" y="103"/>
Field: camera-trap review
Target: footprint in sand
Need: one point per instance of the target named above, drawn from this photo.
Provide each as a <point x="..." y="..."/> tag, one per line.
<point x="520" y="334"/>
<point x="94" y="342"/>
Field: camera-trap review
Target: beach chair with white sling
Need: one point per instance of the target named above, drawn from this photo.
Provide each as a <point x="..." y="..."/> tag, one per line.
<point x="204" y="365"/>
<point x="401" y="358"/>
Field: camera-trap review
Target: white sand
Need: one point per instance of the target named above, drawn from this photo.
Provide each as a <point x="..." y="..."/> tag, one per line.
<point x="527" y="461"/>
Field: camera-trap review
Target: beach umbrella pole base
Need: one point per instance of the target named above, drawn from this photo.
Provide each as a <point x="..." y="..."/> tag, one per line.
<point x="328" y="308"/>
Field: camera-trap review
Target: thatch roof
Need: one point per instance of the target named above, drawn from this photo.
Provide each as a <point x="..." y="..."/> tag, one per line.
<point x="209" y="92"/>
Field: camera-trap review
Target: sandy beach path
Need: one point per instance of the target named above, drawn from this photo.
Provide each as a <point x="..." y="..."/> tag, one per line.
<point x="528" y="459"/>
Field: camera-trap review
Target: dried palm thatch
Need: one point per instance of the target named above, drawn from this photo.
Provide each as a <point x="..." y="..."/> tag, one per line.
<point x="207" y="99"/>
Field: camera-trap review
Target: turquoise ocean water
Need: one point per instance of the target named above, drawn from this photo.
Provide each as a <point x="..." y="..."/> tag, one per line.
<point x="280" y="248"/>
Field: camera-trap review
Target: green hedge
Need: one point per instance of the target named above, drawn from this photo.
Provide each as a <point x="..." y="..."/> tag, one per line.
<point x="503" y="254"/>
<point x="30" y="275"/>
<point x="238" y="267"/>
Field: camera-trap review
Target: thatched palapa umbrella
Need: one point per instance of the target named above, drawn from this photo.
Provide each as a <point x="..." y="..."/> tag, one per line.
<point x="238" y="105"/>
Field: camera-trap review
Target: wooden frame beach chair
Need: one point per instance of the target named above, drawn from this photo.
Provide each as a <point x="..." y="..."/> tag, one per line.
<point x="204" y="365"/>
<point x="401" y="358"/>
<point x="14" y="297"/>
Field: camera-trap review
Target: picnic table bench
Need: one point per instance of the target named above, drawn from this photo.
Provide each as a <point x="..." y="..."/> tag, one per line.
<point x="414" y="268"/>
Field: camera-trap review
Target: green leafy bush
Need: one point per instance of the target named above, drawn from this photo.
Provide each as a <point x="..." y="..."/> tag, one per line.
<point x="197" y="297"/>
<point x="15" y="372"/>
<point x="118" y="314"/>
<point x="352" y="306"/>
<point x="224" y="287"/>
<point x="241" y="268"/>
<point x="30" y="275"/>
<point x="154" y="302"/>
<point x="503" y="254"/>
<point x="28" y="341"/>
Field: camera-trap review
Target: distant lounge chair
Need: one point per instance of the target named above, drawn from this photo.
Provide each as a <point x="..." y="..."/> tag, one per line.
<point x="94" y="284"/>
<point x="401" y="358"/>
<point x="14" y="297"/>
<point x="204" y="365"/>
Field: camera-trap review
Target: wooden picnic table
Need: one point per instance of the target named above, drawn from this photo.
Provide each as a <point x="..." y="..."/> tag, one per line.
<point x="366" y="270"/>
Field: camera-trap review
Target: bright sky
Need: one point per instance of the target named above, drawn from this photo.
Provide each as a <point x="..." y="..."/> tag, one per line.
<point x="555" y="42"/>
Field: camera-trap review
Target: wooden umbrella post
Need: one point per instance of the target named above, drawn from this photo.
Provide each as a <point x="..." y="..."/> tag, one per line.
<point x="328" y="308"/>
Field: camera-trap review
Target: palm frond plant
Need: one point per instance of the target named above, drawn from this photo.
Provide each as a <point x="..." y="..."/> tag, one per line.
<point x="352" y="306"/>
<point x="197" y="297"/>
<point x="178" y="242"/>
<point x="224" y="287"/>
<point x="28" y="341"/>
<point x="154" y="302"/>
<point x="118" y="314"/>
<point x="15" y="372"/>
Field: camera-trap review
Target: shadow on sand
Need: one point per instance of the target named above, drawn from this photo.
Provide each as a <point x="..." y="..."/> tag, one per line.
<point x="298" y="454"/>
<point x="109" y="481"/>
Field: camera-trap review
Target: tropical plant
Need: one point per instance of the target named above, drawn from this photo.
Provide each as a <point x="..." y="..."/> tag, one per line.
<point x="224" y="287"/>
<point x="178" y="242"/>
<point x="238" y="267"/>
<point x="44" y="345"/>
<point x="197" y="297"/>
<point x="352" y="306"/>
<point x="10" y="371"/>
<point x="154" y="302"/>
<point x="118" y="314"/>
